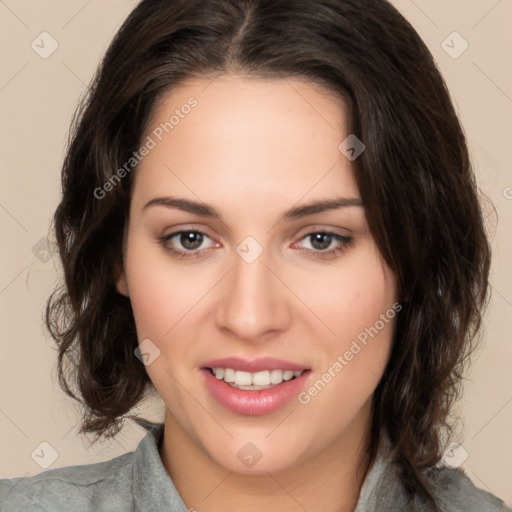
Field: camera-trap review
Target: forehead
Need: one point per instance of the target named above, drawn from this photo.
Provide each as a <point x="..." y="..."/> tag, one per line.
<point x="253" y="138"/>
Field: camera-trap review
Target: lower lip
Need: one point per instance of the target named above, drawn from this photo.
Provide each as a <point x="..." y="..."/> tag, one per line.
<point x="254" y="402"/>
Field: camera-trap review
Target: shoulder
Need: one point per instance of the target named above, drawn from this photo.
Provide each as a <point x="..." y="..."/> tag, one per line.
<point x="71" y="488"/>
<point x="456" y="492"/>
<point x="452" y="489"/>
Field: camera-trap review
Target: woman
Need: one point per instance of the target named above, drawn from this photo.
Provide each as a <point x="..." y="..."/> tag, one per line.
<point x="254" y="225"/>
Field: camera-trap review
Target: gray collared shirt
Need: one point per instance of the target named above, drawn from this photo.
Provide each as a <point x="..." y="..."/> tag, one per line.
<point x="138" y="481"/>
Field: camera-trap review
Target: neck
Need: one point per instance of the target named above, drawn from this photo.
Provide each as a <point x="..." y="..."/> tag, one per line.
<point x="329" y="481"/>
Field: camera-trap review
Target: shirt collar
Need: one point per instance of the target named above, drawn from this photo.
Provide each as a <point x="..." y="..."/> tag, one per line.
<point x="153" y="489"/>
<point x="366" y="501"/>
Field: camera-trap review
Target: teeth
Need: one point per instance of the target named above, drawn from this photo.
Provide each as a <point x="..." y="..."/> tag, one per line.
<point x="257" y="380"/>
<point x="276" y="376"/>
<point x="260" y="378"/>
<point x="243" y="378"/>
<point x="229" y="374"/>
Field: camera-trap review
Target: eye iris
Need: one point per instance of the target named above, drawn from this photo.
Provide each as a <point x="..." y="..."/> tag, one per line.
<point x="191" y="240"/>
<point x="323" y="239"/>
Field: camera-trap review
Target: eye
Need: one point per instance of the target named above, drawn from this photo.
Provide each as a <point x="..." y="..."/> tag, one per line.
<point x="188" y="242"/>
<point x="320" y="241"/>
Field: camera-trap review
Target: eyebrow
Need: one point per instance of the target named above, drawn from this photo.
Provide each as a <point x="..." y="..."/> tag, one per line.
<point x="297" y="212"/>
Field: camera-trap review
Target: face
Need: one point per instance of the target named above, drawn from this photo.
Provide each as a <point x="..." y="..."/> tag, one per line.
<point x="230" y="273"/>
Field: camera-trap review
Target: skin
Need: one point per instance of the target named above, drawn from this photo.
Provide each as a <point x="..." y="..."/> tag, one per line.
<point x="254" y="148"/>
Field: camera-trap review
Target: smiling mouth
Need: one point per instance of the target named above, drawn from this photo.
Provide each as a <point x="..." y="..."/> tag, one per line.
<point x="265" y="379"/>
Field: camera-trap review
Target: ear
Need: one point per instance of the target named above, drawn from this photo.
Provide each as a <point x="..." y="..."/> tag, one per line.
<point x="121" y="281"/>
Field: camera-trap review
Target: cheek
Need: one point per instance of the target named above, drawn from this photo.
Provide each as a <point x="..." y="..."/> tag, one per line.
<point x="358" y="306"/>
<point x="150" y="298"/>
<point x="161" y="294"/>
<point x="353" y="298"/>
<point x="162" y="298"/>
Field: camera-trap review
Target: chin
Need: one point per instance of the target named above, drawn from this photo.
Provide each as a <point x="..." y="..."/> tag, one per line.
<point x="256" y="457"/>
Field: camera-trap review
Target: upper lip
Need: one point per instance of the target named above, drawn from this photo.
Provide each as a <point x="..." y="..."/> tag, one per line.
<point x="254" y="365"/>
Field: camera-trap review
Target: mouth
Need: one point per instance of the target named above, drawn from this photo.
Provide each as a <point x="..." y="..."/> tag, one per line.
<point x="254" y="387"/>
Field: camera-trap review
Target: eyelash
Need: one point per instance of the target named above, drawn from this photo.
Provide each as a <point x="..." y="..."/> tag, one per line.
<point x="345" y="242"/>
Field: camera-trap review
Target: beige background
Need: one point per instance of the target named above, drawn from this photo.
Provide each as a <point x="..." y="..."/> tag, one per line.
<point x="37" y="99"/>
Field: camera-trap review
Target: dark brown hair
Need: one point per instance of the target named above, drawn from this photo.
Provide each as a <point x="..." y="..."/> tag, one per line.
<point x="414" y="177"/>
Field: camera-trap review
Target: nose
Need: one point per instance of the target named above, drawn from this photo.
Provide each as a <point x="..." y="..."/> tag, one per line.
<point x="253" y="305"/>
